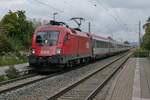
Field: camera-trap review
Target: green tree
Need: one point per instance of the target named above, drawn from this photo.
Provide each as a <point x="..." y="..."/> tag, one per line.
<point x="18" y="27"/>
<point x="126" y="42"/>
<point x="5" y="44"/>
<point x="146" y="37"/>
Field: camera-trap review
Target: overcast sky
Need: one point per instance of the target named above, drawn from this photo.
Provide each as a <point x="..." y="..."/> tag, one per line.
<point x="115" y="18"/>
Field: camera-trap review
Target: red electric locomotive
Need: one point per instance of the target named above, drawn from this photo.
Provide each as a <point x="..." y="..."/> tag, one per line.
<point x="58" y="45"/>
<point x="55" y="46"/>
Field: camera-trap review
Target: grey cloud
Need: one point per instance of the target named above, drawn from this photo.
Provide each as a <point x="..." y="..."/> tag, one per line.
<point x="102" y="16"/>
<point x="129" y="4"/>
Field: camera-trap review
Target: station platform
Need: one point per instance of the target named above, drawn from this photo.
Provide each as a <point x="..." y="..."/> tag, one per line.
<point x="132" y="82"/>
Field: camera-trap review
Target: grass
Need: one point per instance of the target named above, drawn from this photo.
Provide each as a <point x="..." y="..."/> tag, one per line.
<point x="141" y="53"/>
<point x="12" y="58"/>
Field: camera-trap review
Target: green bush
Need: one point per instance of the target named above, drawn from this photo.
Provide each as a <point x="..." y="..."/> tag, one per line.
<point x="2" y="78"/>
<point x="141" y="53"/>
<point x="12" y="72"/>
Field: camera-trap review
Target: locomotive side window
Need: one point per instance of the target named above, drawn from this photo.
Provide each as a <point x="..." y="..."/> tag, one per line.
<point x="48" y="37"/>
<point x="94" y="43"/>
<point x="66" y="38"/>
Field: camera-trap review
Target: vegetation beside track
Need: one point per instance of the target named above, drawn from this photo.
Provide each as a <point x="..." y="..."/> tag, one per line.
<point x="11" y="73"/>
<point x="141" y="53"/>
<point x="144" y="50"/>
<point x="12" y="58"/>
<point x="15" y="36"/>
<point x="146" y="38"/>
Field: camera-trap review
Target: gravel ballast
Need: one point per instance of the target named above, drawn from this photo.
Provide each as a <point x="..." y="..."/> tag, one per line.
<point x="43" y="89"/>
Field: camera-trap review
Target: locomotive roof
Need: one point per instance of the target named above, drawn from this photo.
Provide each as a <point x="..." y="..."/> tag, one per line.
<point x="56" y="27"/>
<point x="78" y="33"/>
<point x="48" y="27"/>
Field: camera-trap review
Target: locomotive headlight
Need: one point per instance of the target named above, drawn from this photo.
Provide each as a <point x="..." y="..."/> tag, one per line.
<point x="58" y="50"/>
<point x="33" y="51"/>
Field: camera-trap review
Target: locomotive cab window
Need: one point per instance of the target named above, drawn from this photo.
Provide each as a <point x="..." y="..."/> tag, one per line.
<point x="47" y="37"/>
<point x="38" y="39"/>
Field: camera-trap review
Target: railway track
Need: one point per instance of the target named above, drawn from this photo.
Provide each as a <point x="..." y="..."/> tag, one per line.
<point x="28" y="79"/>
<point x="87" y="87"/>
<point x="16" y="85"/>
<point x="23" y="81"/>
<point x="23" y="74"/>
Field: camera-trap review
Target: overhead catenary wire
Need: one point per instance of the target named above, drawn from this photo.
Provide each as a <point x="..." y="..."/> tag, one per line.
<point x="108" y="29"/>
<point x="116" y="18"/>
<point x="49" y="6"/>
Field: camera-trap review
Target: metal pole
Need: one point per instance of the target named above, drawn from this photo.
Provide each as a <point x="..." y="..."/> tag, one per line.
<point x="89" y="27"/>
<point x="53" y="16"/>
<point x="139" y="33"/>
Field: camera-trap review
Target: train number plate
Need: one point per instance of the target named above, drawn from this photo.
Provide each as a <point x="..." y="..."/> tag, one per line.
<point x="44" y="52"/>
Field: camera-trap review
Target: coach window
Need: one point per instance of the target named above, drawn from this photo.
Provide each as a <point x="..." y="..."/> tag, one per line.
<point x="94" y="43"/>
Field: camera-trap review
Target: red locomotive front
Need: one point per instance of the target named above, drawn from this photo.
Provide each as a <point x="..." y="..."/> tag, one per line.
<point x="58" y="45"/>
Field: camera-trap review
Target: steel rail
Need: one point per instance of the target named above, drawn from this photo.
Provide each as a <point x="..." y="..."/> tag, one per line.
<point x="71" y="86"/>
<point x="17" y="79"/>
<point x="98" y="88"/>
<point x="31" y="82"/>
<point x="28" y="83"/>
<point x="27" y="74"/>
